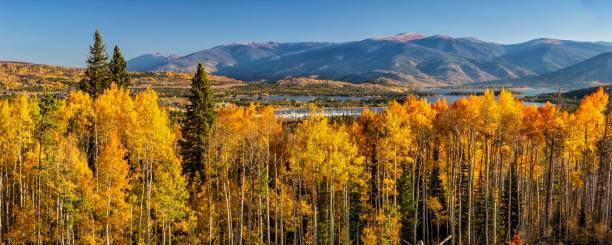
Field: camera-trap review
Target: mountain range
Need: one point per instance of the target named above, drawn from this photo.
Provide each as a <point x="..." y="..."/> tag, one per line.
<point x="412" y="58"/>
<point x="593" y="72"/>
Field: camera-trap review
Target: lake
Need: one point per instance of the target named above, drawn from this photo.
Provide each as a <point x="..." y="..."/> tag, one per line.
<point x="452" y="98"/>
<point x="443" y="93"/>
<point x="303" y="98"/>
<point x="302" y="113"/>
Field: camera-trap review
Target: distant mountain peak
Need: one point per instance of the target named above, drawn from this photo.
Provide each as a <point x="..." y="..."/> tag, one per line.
<point x="402" y="37"/>
<point x="150" y="61"/>
<point x="441" y="36"/>
<point x="160" y="55"/>
<point x="475" y="40"/>
<point x="546" y="41"/>
<point x="256" y="44"/>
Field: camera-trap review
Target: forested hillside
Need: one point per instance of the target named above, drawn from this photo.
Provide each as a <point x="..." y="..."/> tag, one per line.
<point x="18" y="77"/>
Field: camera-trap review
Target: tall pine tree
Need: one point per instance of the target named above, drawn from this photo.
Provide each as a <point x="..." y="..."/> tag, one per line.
<point x="407" y="205"/>
<point x="480" y="209"/>
<point x="118" y="70"/>
<point x="510" y="205"/>
<point x="436" y="190"/>
<point x="200" y="116"/>
<point x="97" y="75"/>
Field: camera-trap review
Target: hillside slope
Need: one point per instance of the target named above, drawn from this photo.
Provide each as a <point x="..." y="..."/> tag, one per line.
<point x="592" y="72"/>
<point x="547" y="55"/>
<point x="150" y="62"/>
<point x="410" y="58"/>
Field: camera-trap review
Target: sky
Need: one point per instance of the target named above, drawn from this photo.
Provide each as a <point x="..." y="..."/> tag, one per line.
<point x="60" y="32"/>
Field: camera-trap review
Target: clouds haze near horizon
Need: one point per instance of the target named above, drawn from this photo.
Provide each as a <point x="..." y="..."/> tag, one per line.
<point x="59" y="32"/>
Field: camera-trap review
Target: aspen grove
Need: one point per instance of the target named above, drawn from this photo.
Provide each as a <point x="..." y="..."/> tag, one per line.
<point x="480" y="170"/>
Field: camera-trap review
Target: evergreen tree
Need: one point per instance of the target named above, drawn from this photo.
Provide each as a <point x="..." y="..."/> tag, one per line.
<point x="200" y="116"/>
<point x="118" y="70"/>
<point x="406" y="203"/>
<point x="464" y="191"/>
<point x="48" y="107"/>
<point x="96" y="76"/>
<point x="435" y="186"/>
<point x="479" y="208"/>
<point x="436" y="189"/>
<point x="510" y="205"/>
<point x="356" y="210"/>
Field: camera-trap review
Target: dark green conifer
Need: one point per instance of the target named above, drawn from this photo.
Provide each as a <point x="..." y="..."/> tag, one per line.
<point x="509" y="205"/>
<point x="479" y="208"/>
<point x="96" y="76"/>
<point x="464" y="191"/>
<point x="48" y="106"/>
<point x="118" y="70"/>
<point x="436" y="189"/>
<point x="198" y="119"/>
<point x="406" y="206"/>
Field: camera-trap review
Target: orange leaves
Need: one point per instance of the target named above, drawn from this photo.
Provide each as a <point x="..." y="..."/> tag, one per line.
<point x="433" y="204"/>
<point x="255" y="165"/>
<point x="516" y="240"/>
<point x="111" y="166"/>
<point x="462" y="114"/>
<point x="532" y="124"/>
<point x="237" y="128"/>
<point x="370" y="236"/>
<point x="440" y="105"/>
<point x="576" y="179"/>
<point x="552" y="122"/>
<point x="121" y="126"/>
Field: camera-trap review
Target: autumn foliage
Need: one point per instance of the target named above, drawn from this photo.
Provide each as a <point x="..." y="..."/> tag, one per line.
<point x="483" y="169"/>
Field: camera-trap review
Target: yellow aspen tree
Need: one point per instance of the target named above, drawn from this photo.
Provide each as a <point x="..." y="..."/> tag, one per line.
<point x="112" y="171"/>
<point x="154" y="149"/>
<point x="23" y="226"/>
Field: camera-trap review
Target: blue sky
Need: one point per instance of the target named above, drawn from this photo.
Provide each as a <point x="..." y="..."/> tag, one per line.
<point x="59" y="32"/>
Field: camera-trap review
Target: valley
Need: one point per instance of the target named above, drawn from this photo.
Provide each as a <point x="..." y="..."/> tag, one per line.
<point x="18" y="78"/>
<point x="173" y="87"/>
<point x="367" y="73"/>
<point x="292" y="93"/>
